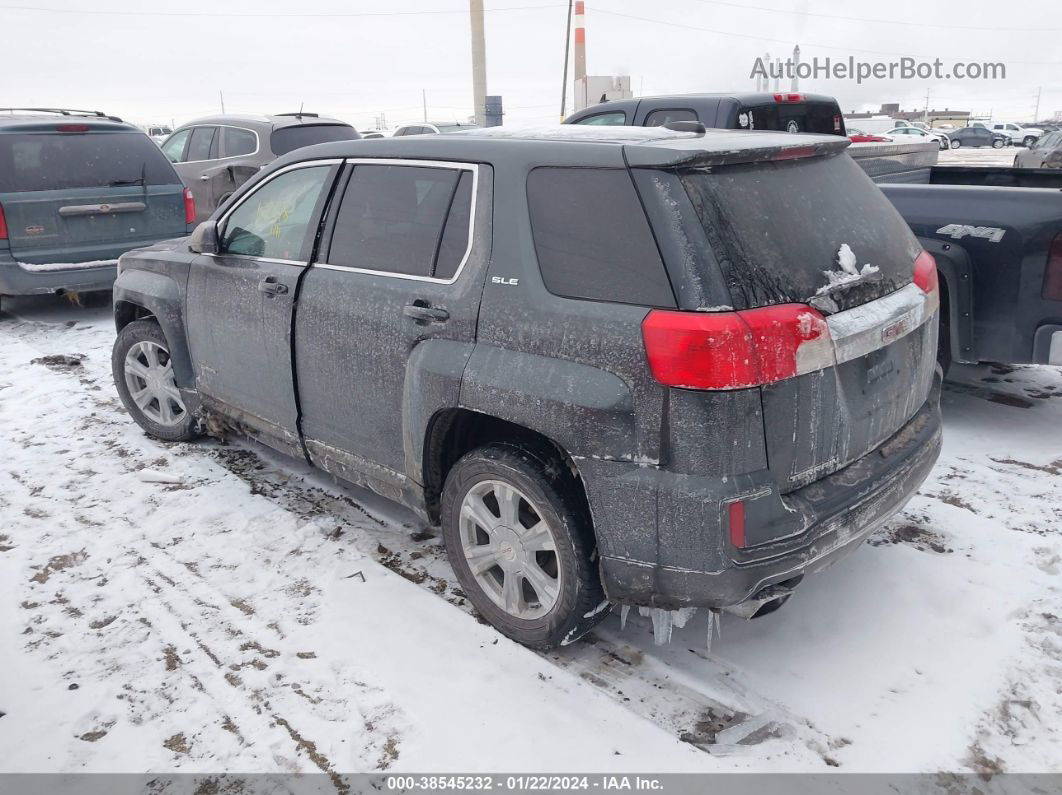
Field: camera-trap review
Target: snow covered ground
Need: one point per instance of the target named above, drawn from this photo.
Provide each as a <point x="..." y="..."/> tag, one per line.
<point x="216" y="607"/>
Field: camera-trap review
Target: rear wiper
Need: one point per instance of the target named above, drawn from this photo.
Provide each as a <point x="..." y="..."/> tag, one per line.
<point x="121" y="183"/>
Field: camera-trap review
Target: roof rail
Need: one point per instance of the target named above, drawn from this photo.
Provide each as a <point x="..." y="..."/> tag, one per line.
<point x="64" y="112"/>
<point x="300" y="114"/>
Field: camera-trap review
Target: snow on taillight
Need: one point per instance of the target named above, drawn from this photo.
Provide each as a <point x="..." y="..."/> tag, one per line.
<point x="189" y="207"/>
<point x="1052" y="290"/>
<point x="925" y="276"/>
<point x="735" y="350"/>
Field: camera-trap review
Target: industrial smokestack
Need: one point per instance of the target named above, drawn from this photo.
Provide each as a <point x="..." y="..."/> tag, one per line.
<point x="479" y="62"/>
<point x="796" y="63"/>
<point x="580" y="54"/>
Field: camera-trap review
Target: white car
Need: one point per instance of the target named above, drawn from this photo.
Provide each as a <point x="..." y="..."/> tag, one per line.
<point x="909" y="134"/>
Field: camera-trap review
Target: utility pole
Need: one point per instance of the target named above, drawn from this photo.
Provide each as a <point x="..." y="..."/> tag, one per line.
<point x="567" y="50"/>
<point x="925" y="113"/>
<point x="479" y="62"/>
<point x="1036" y="115"/>
<point x="424" y="99"/>
<point x="222" y="98"/>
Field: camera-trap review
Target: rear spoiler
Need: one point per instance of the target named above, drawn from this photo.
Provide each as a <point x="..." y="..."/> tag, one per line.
<point x="692" y="152"/>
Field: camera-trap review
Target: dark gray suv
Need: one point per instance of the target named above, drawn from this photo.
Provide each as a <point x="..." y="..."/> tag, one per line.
<point x="216" y="154"/>
<point x="617" y="366"/>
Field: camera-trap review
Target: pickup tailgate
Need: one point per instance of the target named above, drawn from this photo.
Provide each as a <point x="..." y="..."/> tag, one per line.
<point x="816" y="231"/>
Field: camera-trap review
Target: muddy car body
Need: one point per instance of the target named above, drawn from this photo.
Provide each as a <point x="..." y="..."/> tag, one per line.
<point x="573" y="330"/>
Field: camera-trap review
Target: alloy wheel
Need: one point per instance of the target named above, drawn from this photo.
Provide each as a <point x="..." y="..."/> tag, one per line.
<point x="149" y="377"/>
<point x="510" y="549"/>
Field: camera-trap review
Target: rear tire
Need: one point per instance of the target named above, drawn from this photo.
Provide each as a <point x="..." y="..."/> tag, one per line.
<point x="143" y="375"/>
<point x="521" y="545"/>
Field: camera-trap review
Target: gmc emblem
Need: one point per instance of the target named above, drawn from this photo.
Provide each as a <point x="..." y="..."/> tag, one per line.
<point x="894" y="331"/>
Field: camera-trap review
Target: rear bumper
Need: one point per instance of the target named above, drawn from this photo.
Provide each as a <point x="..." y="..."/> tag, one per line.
<point x="837" y="513"/>
<point x="17" y="280"/>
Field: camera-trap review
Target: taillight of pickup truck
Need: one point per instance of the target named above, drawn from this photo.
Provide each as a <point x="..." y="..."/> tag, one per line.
<point x="1053" y="273"/>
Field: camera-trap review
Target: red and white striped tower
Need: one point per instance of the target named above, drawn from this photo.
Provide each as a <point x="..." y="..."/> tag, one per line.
<point x="580" y="54"/>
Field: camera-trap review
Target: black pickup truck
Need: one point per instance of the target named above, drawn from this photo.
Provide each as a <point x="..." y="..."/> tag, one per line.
<point x="996" y="234"/>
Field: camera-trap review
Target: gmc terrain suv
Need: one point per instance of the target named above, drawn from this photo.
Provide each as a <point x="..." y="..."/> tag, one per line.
<point x="627" y="366"/>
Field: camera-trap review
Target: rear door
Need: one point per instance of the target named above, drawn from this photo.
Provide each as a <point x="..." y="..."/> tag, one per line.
<point x="74" y="194"/>
<point x="392" y="290"/>
<point x="239" y="304"/>
<point x="199" y="167"/>
<point x="833" y="241"/>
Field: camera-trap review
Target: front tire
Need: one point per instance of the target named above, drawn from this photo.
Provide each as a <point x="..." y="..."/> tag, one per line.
<point x="997" y="144"/>
<point x="143" y="375"/>
<point x="1029" y="141"/>
<point x="521" y="544"/>
<point x="955" y="144"/>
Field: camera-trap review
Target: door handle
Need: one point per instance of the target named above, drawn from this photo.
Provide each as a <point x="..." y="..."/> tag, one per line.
<point x="270" y="286"/>
<point x="425" y="314"/>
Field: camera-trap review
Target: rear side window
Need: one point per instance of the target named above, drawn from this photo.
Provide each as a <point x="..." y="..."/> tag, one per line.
<point x="394" y="219"/>
<point x="658" y="118"/>
<point x="287" y="139"/>
<point x="54" y="161"/>
<point x="615" y="118"/>
<point x="238" y="141"/>
<point x="777" y="228"/>
<point x="592" y="237"/>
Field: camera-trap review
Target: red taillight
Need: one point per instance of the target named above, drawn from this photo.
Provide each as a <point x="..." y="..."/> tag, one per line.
<point x="925" y="273"/>
<point x="788" y="97"/>
<point x="3" y="224"/>
<point x="736" y="511"/>
<point x="189" y="207"/>
<point x="72" y="127"/>
<point x="1052" y="276"/>
<point x="734" y="350"/>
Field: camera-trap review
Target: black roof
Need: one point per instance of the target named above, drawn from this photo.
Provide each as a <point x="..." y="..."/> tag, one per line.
<point x="582" y="145"/>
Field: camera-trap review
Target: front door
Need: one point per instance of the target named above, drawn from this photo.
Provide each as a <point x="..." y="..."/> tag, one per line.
<point x="240" y="302"/>
<point x="387" y="318"/>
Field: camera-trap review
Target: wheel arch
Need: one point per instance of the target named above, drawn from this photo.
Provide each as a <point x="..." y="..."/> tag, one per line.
<point x="453" y="432"/>
<point x="142" y="295"/>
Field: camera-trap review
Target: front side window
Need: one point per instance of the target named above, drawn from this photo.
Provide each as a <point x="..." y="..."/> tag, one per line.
<point x="239" y="141"/>
<point x="394" y="219"/>
<point x="616" y="118"/>
<point x="200" y="146"/>
<point x="276" y="220"/>
<point x="175" y="144"/>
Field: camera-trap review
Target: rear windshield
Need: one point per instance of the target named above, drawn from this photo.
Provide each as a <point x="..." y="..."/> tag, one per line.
<point x="805" y="117"/>
<point x="53" y="161"/>
<point x="778" y="228"/>
<point x="287" y="139"/>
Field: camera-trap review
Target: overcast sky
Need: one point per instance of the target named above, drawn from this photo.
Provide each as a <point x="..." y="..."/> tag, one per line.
<point x="358" y="58"/>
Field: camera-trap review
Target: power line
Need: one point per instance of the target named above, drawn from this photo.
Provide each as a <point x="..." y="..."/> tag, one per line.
<point x="265" y="15"/>
<point x="684" y="26"/>
<point x="948" y="26"/>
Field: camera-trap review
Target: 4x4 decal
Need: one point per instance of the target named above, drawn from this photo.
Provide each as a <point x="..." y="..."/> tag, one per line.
<point x="959" y="231"/>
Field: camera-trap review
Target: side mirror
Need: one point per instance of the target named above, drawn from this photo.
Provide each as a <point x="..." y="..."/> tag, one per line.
<point x="204" y="239"/>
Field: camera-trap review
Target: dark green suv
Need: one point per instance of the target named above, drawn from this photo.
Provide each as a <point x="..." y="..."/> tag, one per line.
<point x="77" y="190"/>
